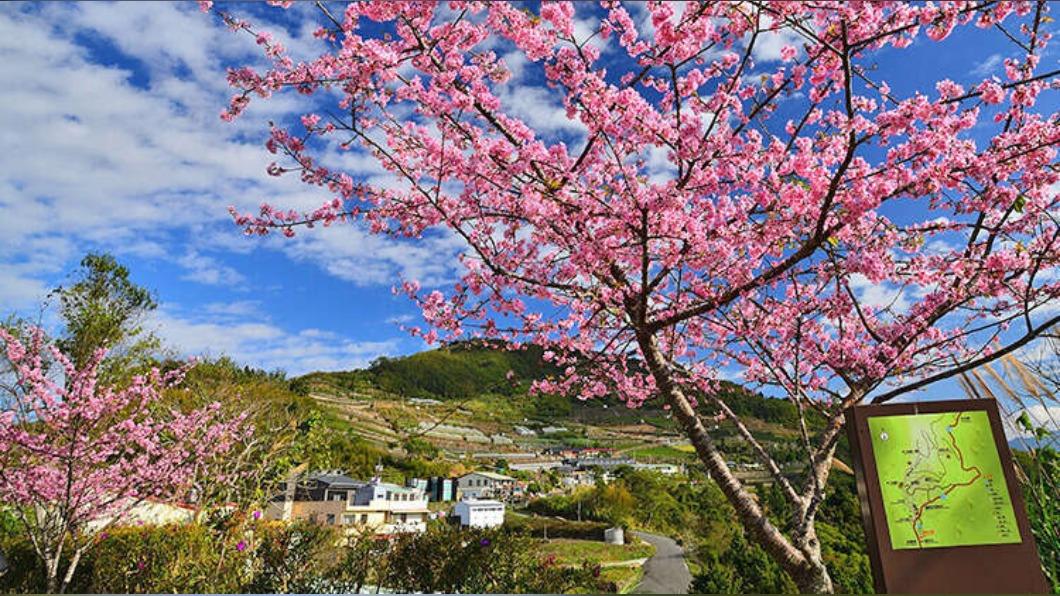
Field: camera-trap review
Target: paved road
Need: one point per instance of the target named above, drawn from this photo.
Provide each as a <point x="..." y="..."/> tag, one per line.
<point x="666" y="572"/>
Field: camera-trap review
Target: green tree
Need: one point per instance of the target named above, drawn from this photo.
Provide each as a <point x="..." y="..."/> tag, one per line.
<point x="103" y="308"/>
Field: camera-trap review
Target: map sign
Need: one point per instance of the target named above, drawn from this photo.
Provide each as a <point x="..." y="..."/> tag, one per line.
<point x="941" y="480"/>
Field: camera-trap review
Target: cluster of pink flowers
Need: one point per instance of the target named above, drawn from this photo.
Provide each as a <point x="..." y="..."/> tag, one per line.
<point x="759" y="248"/>
<point x="87" y="450"/>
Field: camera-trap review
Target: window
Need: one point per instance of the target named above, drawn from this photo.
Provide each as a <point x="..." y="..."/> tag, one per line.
<point x="364" y="518"/>
<point x="338" y="497"/>
<point x="348" y="519"/>
<point x="331" y="519"/>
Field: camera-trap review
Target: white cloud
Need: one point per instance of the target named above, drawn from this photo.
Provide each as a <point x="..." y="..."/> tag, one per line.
<point x="206" y="270"/>
<point x="20" y="288"/>
<point x="769" y="43"/>
<point x="516" y="62"/>
<point x="878" y="296"/>
<point x="657" y="161"/>
<point x="539" y="109"/>
<point x="585" y="31"/>
<point x="355" y="255"/>
<point x="1040" y="415"/>
<point x="262" y="344"/>
<point x="988" y="66"/>
<point x="133" y="158"/>
<point x="239" y="308"/>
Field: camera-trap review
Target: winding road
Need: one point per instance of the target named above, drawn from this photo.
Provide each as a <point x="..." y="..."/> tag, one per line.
<point x="666" y="572"/>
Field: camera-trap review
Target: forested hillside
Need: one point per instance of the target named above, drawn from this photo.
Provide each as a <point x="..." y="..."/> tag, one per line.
<point x="467" y="369"/>
<point x="454" y="371"/>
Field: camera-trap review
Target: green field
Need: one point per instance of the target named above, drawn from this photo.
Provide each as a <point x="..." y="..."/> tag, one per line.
<point x="574" y="552"/>
<point x="680" y="454"/>
<point x="941" y="480"/>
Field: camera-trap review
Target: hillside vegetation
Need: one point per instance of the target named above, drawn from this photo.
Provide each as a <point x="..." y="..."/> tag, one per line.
<point x="472" y="369"/>
<point x="477" y="406"/>
<point x="455" y="371"/>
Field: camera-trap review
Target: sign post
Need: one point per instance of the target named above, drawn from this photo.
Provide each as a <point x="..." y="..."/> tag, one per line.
<point x="940" y="502"/>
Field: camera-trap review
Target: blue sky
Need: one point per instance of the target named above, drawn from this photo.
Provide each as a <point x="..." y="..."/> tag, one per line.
<point x="113" y="142"/>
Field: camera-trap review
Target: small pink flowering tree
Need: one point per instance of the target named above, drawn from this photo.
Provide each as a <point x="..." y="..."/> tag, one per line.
<point x="76" y="456"/>
<point x="718" y="212"/>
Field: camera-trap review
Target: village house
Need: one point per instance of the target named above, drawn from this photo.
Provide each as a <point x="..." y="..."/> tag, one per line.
<point x="335" y="499"/>
<point x="573" y="478"/>
<point x="607" y="463"/>
<point x="151" y="512"/>
<point x="667" y="469"/>
<point x="480" y="513"/>
<point x="438" y="488"/>
<point x="576" y="452"/>
<point x="477" y="485"/>
<point x="535" y="466"/>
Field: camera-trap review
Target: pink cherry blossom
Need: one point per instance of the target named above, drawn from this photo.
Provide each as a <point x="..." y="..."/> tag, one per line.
<point x="827" y="237"/>
<point x="79" y="453"/>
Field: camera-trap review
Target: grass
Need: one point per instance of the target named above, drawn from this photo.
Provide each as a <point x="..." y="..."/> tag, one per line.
<point x="574" y="552"/>
<point x="555" y="528"/>
<point x="664" y="454"/>
<point x="625" y="578"/>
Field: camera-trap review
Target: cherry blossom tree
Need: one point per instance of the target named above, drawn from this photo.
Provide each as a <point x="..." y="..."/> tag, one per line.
<point x="76" y="456"/>
<point x="718" y="212"/>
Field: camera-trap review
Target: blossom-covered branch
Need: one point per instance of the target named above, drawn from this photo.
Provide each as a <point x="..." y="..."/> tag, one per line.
<point x="715" y="211"/>
<point x="76" y="455"/>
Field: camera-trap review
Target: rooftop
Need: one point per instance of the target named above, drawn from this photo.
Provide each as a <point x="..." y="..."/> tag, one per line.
<point x="336" y="480"/>
<point x="482" y="503"/>
<point x="492" y="475"/>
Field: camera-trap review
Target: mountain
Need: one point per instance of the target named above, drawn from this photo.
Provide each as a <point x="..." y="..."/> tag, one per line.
<point x="455" y="371"/>
<point x="458" y="398"/>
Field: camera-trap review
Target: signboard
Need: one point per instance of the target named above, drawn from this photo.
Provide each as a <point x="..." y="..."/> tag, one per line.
<point x="940" y="503"/>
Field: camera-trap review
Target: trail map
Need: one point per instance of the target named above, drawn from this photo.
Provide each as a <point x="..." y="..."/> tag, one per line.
<point x="941" y="480"/>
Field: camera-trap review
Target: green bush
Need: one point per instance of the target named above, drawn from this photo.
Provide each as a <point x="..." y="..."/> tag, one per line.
<point x="232" y="556"/>
<point x="24" y="571"/>
<point x="295" y="557"/>
<point x="742" y="568"/>
<point x="171" y="558"/>
<point x="539" y="527"/>
<point x="1041" y="470"/>
<point x="474" y="561"/>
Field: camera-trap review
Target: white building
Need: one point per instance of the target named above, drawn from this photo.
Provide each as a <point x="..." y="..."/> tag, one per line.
<point x="480" y="514"/>
<point x="147" y="512"/>
<point x="387" y="508"/>
<point x="535" y="466"/>
<point x="375" y="507"/>
<point x="486" y="484"/>
<point x="668" y="469"/>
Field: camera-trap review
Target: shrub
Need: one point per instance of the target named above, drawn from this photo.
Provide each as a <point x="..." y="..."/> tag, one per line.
<point x="296" y="557"/>
<point x="170" y="558"/>
<point x="539" y="527"/>
<point x="453" y="560"/>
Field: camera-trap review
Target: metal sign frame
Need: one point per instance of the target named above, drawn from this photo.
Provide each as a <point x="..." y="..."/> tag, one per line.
<point x="995" y="568"/>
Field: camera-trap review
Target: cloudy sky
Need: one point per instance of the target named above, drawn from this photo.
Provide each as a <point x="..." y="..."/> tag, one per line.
<point x="113" y="142"/>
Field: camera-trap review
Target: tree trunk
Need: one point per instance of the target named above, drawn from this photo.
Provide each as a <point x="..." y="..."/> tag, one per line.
<point x="803" y="563"/>
<point x="51" y="569"/>
<point x="70" y="569"/>
<point x="815" y="579"/>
